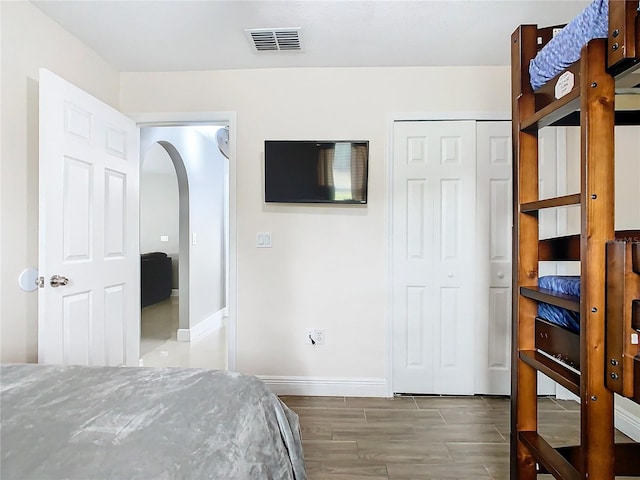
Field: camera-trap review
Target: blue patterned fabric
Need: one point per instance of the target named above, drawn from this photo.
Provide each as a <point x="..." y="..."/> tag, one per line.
<point x="564" y="48"/>
<point x="569" y="285"/>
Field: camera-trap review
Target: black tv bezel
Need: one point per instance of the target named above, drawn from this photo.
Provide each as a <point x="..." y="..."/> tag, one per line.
<point x="317" y="201"/>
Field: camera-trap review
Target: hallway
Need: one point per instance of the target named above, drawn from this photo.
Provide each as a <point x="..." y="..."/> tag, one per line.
<point x="160" y="348"/>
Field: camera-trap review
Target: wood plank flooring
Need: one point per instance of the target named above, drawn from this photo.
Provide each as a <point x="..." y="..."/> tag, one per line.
<point x="417" y="438"/>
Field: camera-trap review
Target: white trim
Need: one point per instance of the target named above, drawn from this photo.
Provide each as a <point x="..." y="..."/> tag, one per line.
<point x="329" y="387"/>
<point x="625" y="421"/>
<point x="176" y="119"/>
<point x="391" y="119"/>
<point x="230" y="118"/>
<point x="564" y="394"/>
<point x="431" y="116"/>
<point x="205" y="327"/>
<point x="388" y="364"/>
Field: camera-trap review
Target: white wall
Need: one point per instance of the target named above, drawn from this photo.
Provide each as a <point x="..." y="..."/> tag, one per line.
<point x="159" y="203"/>
<point x="30" y="40"/>
<point x="327" y="266"/>
<point x="205" y="167"/>
<point x="627" y="175"/>
<point x="627" y="217"/>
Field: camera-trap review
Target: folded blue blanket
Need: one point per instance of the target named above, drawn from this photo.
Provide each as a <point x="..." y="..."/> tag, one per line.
<point x="564" y="49"/>
<point x="568" y="285"/>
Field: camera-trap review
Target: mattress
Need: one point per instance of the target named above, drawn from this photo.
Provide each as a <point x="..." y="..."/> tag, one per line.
<point x="98" y="423"/>
<point x="564" y="49"/>
<point x="568" y="285"/>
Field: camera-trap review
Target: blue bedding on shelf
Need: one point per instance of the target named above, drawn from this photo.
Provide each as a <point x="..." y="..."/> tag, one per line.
<point x="564" y="48"/>
<point x="568" y="285"/>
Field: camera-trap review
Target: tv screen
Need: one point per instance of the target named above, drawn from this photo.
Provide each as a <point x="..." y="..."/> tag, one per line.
<point x="316" y="171"/>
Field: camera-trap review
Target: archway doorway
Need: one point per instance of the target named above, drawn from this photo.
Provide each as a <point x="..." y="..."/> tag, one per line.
<point x="199" y="240"/>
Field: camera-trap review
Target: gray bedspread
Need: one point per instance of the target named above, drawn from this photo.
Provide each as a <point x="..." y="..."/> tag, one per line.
<point x="141" y="423"/>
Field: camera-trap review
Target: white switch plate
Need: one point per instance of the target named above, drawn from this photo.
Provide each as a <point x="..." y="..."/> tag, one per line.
<point x="164" y="238"/>
<point x="194" y="238"/>
<point x="263" y="240"/>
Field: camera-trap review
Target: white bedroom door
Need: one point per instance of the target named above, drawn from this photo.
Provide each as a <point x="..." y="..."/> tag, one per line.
<point x="433" y="246"/>
<point x="493" y="265"/>
<point x="89" y="300"/>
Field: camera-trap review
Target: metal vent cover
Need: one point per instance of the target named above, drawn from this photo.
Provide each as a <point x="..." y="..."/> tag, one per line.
<point x="275" y="39"/>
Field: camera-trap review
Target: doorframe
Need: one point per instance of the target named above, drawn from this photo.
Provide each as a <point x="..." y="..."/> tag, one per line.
<point x="411" y="117"/>
<point x="176" y="119"/>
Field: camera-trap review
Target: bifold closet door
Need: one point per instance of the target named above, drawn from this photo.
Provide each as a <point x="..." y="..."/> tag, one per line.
<point x="493" y="259"/>
<point x="433" y="248"/>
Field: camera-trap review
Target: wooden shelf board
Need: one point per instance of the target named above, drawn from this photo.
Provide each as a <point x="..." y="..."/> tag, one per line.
<point x="549" y="457"/>
<point x="567" y="248"/>
<point x="626" y="457"/>
<point x="552" y="298"/>
<point x="534" y="207"/>
<point x="553" y="112"/>
<point x="553" y="369"/>
<point x="623" y="117"/>
<point x="558" y="342"/>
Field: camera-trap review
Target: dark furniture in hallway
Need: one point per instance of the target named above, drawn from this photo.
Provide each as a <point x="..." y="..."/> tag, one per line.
<point x="155" y="278"/>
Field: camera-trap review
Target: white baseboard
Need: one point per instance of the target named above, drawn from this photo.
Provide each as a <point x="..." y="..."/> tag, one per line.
<point x="564" y="394"/>
<point x="627" y="422"/>
<point x="208" y="325"/>
<point x="175" y="292"/>
<point x="329" y="387"/>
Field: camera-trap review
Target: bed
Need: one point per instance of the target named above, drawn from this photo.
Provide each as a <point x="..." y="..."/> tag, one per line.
<point x="99" y="423"/>
<point x="584" y="339"/>
<point x="565" y="285"/>
<point x="565" y="46"/>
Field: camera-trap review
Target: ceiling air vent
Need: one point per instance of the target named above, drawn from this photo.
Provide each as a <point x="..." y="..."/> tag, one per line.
<point x="275" y="39"/>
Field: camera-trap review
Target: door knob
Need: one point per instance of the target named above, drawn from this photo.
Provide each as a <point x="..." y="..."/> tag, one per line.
<point x="58" y="281"/>
<point x="500" y="275"/>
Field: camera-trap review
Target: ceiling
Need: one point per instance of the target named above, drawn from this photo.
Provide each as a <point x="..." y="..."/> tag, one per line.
<point x="176" y="35"/>
<point x="172" y="35"/>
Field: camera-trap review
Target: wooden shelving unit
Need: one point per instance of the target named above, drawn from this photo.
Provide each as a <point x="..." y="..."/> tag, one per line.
<point x="582" y="362"/>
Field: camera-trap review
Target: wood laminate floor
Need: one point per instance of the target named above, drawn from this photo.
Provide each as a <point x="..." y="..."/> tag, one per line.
<point x="417" y="438"/>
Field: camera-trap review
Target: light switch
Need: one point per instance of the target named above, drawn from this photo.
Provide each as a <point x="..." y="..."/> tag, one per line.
<point x="263" y="240"/>
<point x="164" y="238"/>
<point x="194" y="238"/>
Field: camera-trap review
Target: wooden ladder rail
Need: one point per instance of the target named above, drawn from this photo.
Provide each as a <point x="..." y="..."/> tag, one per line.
<point x="596" y="100"/>
<point x="524" y="384"/>
<point x="597" y="117"/>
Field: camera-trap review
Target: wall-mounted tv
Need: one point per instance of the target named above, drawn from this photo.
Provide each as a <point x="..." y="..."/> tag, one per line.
<point x="297" y="171"/>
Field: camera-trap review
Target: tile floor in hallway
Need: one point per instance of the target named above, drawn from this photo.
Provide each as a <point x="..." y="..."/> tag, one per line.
<point x="418" y="438"/>
<point x="159" y="346"/>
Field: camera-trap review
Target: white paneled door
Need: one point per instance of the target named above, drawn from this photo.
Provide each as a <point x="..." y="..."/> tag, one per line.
<point x="493" y="258"/>
<point x="89" y="300"/>
<point x="433" y="248"/>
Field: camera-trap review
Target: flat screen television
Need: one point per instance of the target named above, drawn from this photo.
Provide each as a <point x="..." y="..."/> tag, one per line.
<point x="298" y="171"/>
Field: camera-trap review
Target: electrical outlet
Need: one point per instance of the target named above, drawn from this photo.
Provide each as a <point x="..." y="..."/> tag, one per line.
<point x="315" y="336"/>
<point x="309" y="338"/>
